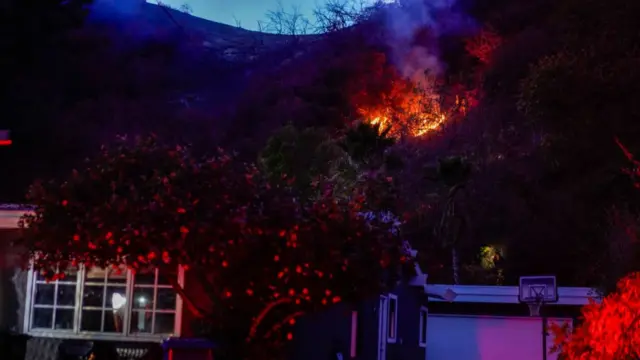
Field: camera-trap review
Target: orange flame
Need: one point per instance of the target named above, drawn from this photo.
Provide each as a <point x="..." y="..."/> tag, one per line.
<point x="408" y="111"/>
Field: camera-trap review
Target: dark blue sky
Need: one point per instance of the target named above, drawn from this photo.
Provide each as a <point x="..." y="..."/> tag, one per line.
<point x="248" y="12"/>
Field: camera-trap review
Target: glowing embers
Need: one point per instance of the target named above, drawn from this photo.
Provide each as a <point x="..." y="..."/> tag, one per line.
<point x="412" y="124"/>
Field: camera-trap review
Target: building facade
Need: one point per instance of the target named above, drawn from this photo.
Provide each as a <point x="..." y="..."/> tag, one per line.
<point x="123" y="315"/>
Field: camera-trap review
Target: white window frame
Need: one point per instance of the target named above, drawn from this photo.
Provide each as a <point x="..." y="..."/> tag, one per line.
<point x="76" y="333"/>
<point x="392" y="319"/>
<point x="422" y="333"/>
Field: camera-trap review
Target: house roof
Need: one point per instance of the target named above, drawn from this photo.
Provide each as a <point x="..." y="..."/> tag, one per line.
<point x="10" y="214"/>
<point x="509" y="294"/>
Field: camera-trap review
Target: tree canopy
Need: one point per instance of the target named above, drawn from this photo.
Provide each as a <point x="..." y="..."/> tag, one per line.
<point x="609" y="330"/>
<point x="257" y="247"/>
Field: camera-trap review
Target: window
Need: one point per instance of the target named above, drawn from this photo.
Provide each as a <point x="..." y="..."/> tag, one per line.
<point x="422" y="339"/>
<point x="353" y="349"/>
<point x="53" y="305"/>
<point x="111" y="302"/>
<point x="392" y="319"/>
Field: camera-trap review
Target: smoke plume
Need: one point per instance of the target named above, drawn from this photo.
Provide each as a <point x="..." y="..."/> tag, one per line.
<point x="414" y="28"/>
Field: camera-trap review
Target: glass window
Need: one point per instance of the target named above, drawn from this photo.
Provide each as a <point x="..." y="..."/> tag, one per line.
<point x="104" y="296"/>
<point x="112" y="301"/>
<point x="54" y="302"/>
<point x="422" y="339"/>
<point x="392" y="318"/>
<point x="154" y="303"/>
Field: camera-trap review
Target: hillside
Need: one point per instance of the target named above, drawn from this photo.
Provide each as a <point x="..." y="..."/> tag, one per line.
<point x="527" y="102"/>
<point x="128" y="70"/>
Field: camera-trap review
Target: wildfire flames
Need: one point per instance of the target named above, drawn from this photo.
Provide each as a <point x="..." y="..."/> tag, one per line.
<point x="425" y="123"/>
<point x="414" y="114"/>
<point x="407" y="107"/>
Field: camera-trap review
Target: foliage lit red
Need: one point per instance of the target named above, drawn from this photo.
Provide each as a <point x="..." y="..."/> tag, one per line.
<point x="255" y="247"/>
<point x="609" y="330"/>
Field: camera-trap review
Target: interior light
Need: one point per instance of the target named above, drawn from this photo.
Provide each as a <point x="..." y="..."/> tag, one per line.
<point x="117" y="301"/>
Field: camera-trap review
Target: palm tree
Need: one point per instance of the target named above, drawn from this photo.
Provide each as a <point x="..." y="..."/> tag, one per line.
<point x="454" y="172"/>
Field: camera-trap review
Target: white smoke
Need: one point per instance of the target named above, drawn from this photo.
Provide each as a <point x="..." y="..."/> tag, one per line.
<point x="413" y="30"/>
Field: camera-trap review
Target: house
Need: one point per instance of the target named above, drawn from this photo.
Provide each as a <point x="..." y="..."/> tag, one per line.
<point x="387" y="327"/>
<point x="489" y="322"/>
<point x="130" y="315"/>
<point x="392" y="326"/>
<point x="107" y="312"/>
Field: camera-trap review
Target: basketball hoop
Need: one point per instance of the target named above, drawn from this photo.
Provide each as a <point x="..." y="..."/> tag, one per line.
<point x="534" y="309"/>
<point x="536" y="291"/>
<point x="534" y="306"/>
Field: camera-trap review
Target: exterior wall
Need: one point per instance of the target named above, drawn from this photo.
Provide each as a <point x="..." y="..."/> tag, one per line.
<point x="454" y="337"/>
<point x="320" y="336"/>
<point x="13" y="286"/>
<point x="406" y="347"/>
<point x="13" y="283"/>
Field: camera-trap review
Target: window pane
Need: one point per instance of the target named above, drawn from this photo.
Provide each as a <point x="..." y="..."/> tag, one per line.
<point x="44" y="294"/>
<point x="166" y="299"/>
<point x="42" y="318"/>
<point x="392" y="317"/>
<point x="71" y="275"/>
<point x="93" y="295"/>
<point x="116" y="298"/>
<point x="164" y="276"/>
<point x="66" y="295"/>
<point x="164" y="323"/>
<point x="91" y="320"/>
<point x="118" y="275"/>
<point x="95" y="275"/>
<point x="64" y="318"/>
<point x="145" y="277"/>
<point x="143" y="298"/>
<point x="141" y="321"/>
<point x="113" y="320"/>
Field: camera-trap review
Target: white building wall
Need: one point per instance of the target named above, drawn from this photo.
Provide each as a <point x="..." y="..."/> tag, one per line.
<point x="463" y="337"/>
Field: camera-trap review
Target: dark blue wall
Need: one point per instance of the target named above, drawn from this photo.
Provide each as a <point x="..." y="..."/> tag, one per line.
<point x="319" y="336"/>
<point x="406" y="347"/>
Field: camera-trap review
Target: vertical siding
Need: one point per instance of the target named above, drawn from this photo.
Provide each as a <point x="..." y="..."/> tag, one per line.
<point x="368" y="329"/>
<point x="317" y="336"/>
<point x="406" y="347"/>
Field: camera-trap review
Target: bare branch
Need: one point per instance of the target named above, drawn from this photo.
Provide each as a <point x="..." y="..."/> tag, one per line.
<point x="282" y="22"/>
<point x="336" y="15"/>
<point x="237" y="22"/>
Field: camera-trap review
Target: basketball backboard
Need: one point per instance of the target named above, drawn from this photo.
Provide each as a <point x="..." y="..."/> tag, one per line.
<point x="538" y="289"/>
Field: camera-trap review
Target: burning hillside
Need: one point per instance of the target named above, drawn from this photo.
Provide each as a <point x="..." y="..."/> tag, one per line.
<point x="405" y="106"/>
